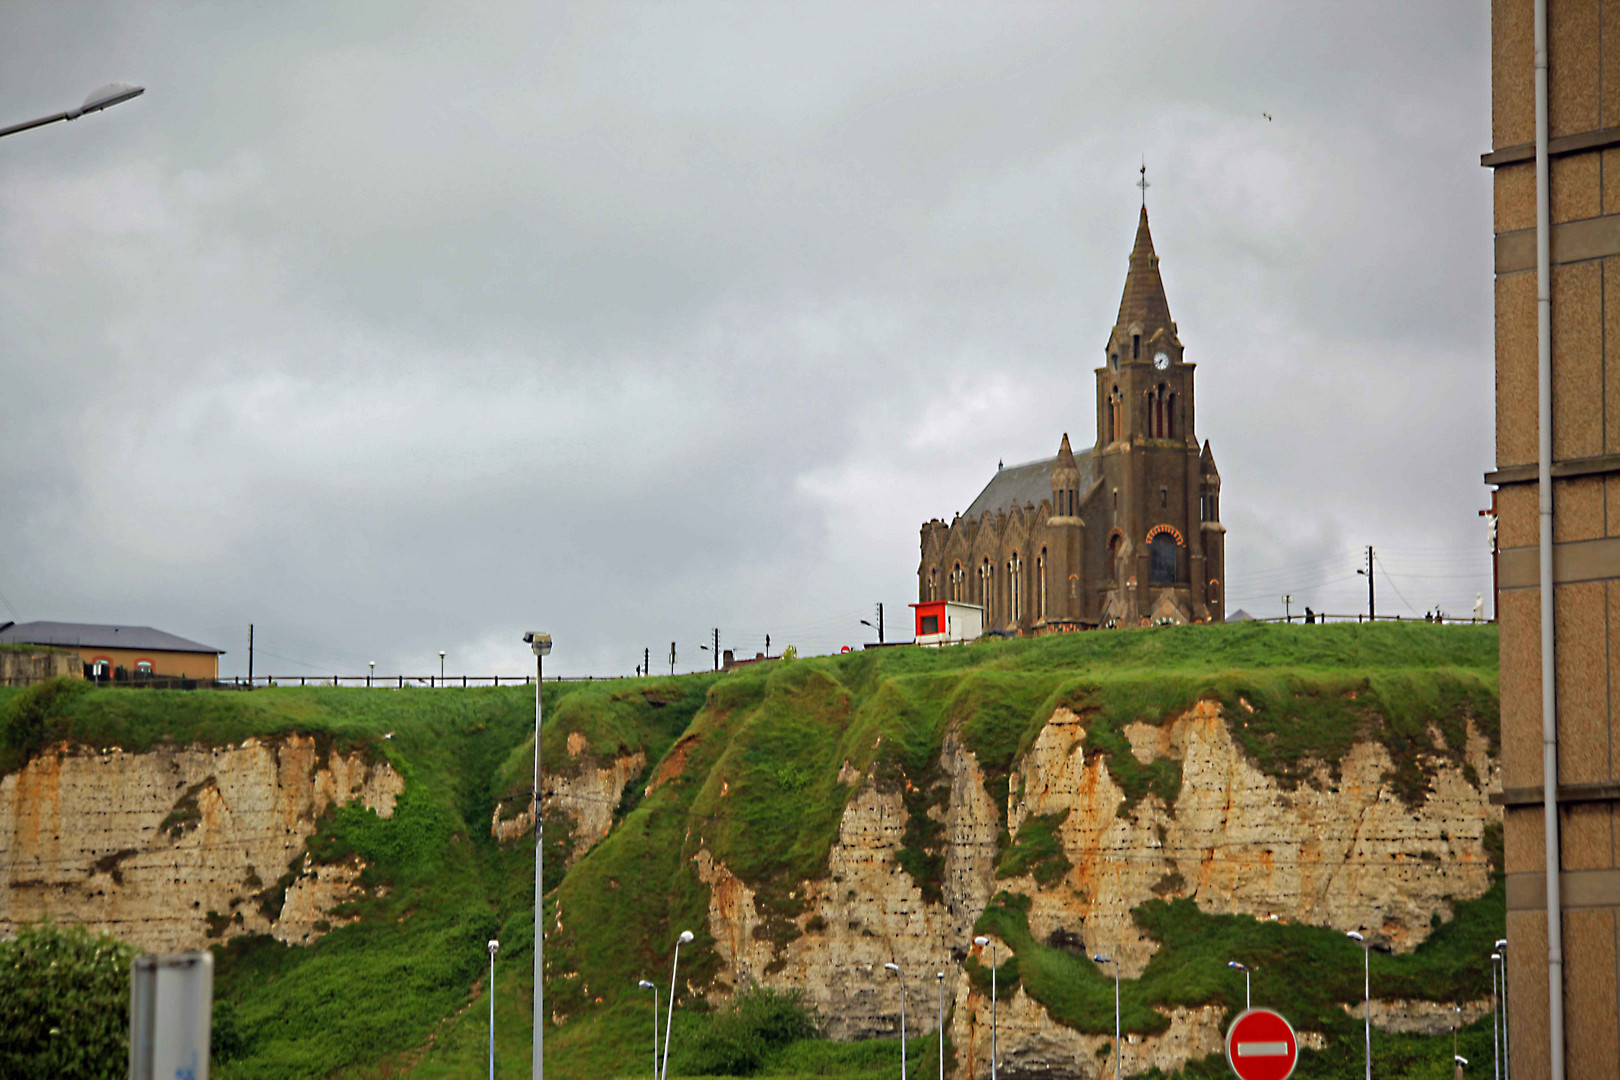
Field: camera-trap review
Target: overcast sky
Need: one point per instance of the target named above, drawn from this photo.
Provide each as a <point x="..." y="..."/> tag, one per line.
<point x="398" y="328"/>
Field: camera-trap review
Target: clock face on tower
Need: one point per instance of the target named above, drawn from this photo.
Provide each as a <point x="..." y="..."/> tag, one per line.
<point x="1161" y="360"/>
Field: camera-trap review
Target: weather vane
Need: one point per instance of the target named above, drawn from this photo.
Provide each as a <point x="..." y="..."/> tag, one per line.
<point x="1143" y="183"/>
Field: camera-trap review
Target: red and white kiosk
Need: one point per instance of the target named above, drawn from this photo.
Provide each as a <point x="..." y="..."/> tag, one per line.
<point x="948" y="622"/>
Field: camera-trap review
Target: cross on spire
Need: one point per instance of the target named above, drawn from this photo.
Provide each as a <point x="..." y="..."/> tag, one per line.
<point x="1143" y="183"/>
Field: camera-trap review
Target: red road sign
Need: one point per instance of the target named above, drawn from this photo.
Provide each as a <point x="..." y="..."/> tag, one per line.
<point x="1260" y="1045"/>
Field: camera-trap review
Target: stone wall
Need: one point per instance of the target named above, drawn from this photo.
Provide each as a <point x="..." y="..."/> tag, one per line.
<point x="26" y="667"/>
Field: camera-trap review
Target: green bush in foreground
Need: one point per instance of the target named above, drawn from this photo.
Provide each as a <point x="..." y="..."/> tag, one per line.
<point x="64" y="1004"/>
<point x="737" y="1040"/>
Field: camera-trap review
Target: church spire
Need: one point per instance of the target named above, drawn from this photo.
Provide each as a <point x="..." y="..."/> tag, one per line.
<point x="1143" y="302"/>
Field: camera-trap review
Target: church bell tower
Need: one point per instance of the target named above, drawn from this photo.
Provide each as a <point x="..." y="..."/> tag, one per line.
<point x="1155" y="495"/>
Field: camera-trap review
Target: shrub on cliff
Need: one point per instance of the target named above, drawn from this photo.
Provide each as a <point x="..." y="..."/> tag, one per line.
<point x="64" y="1004"/>
<point x="737" y="1040"/>
<point x="33" y="718"/>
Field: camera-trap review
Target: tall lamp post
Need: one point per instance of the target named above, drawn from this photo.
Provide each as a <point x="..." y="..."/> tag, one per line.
<point x="896" y="969"/>
<point x="494" y="947"/>
<point x="645" y="985"/>
<point x="103" y="97"/>
<point x="1507" y="1056"/>
<point x="1101" y="959"/>
<point x="1248" y="1002"/>
<point x="441" y="667"/>
<point x="981" y="942"/>
<point x="1496" y="1031"/>
<point x="1366" y="992"/>
<point x="669" y="1021"/>
<point x="541" y="644"/>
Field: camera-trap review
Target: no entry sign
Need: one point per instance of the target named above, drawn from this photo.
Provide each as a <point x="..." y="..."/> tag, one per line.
<point x="1260" y="1045"/>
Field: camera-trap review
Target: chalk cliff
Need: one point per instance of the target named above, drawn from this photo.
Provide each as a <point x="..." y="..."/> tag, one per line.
<point x="182" y="845"/>
<point x="1342" y="850"/>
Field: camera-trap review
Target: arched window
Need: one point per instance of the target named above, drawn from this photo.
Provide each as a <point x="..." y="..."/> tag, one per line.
<point x="986" y="577"/>
<point x="956" y="582"/>
<point x="1040" y="580"/>
<point x="933" y="582"/>
<point x="1015" y="586"/>
<point x="143" y="669"/>
<point x="1162" y="559"/>
<point x="1170" y="416"/>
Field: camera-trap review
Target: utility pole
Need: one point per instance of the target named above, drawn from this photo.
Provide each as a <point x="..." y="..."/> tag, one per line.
<point x="672" y="658"/>
<point x="717" y="648"/>
<point x="646" y="660"/>
<point x="878" y="626"/>
<point x="1372" y="610"/>
<point x="1288" y="614"/>
<point x="1372" y="606"/>
<point x="250" y="655"/>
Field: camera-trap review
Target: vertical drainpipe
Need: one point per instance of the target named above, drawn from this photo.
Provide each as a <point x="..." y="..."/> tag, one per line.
<point x="1544" y="453"/>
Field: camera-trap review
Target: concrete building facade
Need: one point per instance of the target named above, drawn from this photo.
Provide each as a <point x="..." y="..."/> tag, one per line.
<point x="1583" y="112"/>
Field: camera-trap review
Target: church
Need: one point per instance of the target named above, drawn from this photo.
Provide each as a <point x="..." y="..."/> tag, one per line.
<point x="1127" y="533"/>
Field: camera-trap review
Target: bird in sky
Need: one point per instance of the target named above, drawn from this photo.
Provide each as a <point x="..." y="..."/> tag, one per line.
<point x="1266" y="115"/>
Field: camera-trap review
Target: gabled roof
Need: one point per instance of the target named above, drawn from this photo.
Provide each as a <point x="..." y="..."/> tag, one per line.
<point x="1030" y="482"/>
<point x="1143" y="301"/>
<point x="100" y="636"/>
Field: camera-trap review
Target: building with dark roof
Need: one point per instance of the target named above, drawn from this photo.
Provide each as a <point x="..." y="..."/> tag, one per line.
<point x="1123" y="534"/>
<point x="107" y="650"/>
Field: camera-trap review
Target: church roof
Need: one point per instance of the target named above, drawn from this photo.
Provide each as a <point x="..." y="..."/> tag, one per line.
<point x="1015" y="485"/>
<point x="1143" y="301"/>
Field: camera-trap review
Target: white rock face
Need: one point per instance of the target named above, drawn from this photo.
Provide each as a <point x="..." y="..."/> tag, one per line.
<point x="588" y="796"/>
<point x="156" y="846"/>
<point x="1235" y="841"/>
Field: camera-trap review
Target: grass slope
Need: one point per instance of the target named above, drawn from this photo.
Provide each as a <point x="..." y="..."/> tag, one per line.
<point x="746" y="766"/>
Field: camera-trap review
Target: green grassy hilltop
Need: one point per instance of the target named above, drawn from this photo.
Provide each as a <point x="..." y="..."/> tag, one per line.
<point x="746" y="765"/>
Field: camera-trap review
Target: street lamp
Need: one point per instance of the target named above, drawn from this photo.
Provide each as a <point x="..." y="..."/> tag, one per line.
<point x="1101" y="959"/>
<point x="441" y="667"/>
<point x="1366" y="992"/>
<point x="541" y="643"/>
<point x="896" y="969"/>
<point x="981" y="942"/>
<point x="1247" y="1001"/>
<point x="373" y="665"/>
<point x="1496" y="1032"/>
<point x="669" y="1021"/>
<point x="494" y="946"/>
<point x="940" y="977"/>
<point x="102" y="97"/>
<point x="645" y="985"/>
<point x="1507" y="1057"/>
